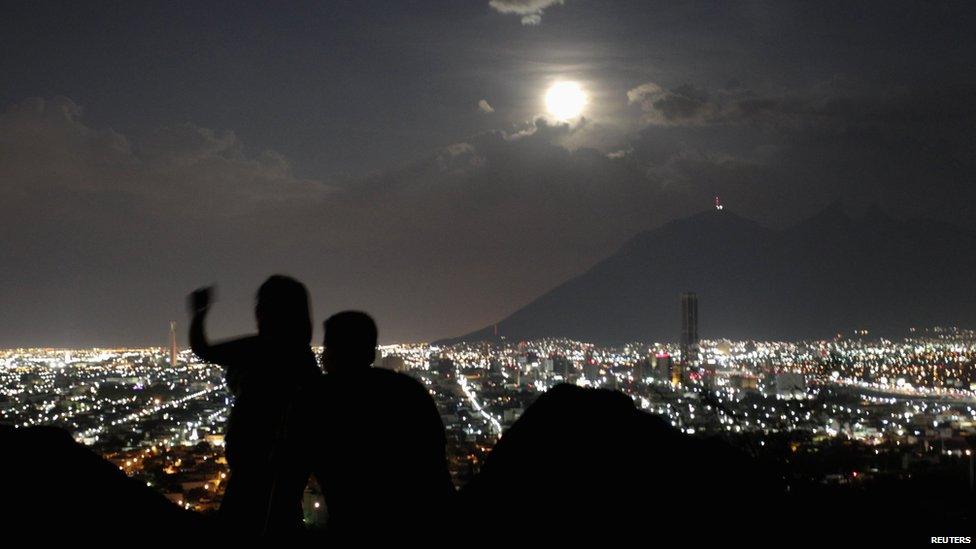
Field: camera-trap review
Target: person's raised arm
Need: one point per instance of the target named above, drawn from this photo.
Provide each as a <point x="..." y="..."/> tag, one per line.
<point x="229" y="353"/>
<point x="199" y="304"/>
<point x="234" y="355"/>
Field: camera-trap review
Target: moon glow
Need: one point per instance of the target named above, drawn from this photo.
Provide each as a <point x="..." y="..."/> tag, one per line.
<point x="565" y="100"/>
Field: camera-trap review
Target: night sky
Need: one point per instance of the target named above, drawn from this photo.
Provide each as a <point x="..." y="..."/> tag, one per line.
<point x="398" y="157"/>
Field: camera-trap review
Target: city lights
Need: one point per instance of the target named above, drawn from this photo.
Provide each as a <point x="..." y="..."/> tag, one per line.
<point x="164" y="424"/>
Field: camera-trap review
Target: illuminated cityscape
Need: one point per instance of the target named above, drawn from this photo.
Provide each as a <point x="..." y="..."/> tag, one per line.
<point x="897" y="406"/>
<point x="352" y="273"/>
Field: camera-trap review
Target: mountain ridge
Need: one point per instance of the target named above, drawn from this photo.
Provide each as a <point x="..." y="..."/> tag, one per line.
<point x="828" y="273"/>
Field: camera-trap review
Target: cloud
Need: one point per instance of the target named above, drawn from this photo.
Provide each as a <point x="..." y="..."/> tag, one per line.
<point x="833" y="107"/>
<point x="545" y="129"/>
<point x="530" y="10"/>
<point x="682" y="106"/>
<point x="460" y="159"/>
<point x="106" y="233"/>
<point x="484" y="107"/>
<point x="184" y="168"/>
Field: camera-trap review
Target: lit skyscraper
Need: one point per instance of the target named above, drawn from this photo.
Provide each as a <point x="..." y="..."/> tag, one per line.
<point x="172" y="343"/>
<point x="689" y="328"/>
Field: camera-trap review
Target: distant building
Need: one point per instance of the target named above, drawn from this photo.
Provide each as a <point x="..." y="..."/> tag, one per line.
<point x="689" y="329"/>
<point x="642" y="368"/>
<point x="790" y="385"/>
<point x="443" y="366"/>
<point x="708" y="372"/>
<point x="173" y="351"/>
<point x="393" y="362"/>
<point x="546" y="367"/>
<point x="744" y="382"/>
<point x="591" y="370"/>
<point x="676" y="373"/>
<point x="561" y="366"/>
<point x="509" y="415"/>
<point x="663" y="365"/>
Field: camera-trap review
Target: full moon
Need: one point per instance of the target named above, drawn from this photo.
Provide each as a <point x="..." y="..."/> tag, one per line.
<point x="565" y="100"/>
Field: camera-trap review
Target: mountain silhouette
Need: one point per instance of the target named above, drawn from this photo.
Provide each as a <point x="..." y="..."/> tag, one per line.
<point x="828" y="274"/>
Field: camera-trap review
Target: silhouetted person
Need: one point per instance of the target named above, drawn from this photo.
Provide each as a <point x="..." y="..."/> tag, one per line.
<point x="267" y="374"/>
<point x="380" y="456"/>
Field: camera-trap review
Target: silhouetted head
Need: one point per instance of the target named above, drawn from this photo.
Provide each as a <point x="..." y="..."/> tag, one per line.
<point x="350" y="341"/>
<point x="283" y="311"/>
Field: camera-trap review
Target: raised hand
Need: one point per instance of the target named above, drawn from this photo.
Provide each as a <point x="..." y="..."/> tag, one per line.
<point x="201" y="298"/>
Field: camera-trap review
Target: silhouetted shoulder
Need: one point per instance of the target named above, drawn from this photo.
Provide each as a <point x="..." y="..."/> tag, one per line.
<point x="392" y="397"/>
<point x="379" y="454"/>
<point x="398" y="381"/>
<point x="377" y="380"/>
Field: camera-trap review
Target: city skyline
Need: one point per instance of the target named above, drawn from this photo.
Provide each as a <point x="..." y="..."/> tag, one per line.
<point x="853" y="413"/>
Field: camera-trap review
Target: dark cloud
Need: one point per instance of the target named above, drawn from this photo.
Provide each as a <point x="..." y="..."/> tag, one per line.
<point x="899" y="147"/>
<point x="47" y="143"/>
<point x="830" y="107"/>
<point x="683" y="105"/>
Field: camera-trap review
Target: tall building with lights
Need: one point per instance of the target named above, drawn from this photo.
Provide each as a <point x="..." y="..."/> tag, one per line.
<point x="689" y="329"/>
<point x="172" y="343"/>
<point x="667" y="368"/>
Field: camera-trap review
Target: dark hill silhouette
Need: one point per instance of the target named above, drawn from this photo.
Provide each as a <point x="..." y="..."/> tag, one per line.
<point x="57" y="489"/>
<point x="582" y="463"/>
<point x="830" y="273"/>
<point x="579" y="464"/>
<point x="587" y="465"/>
